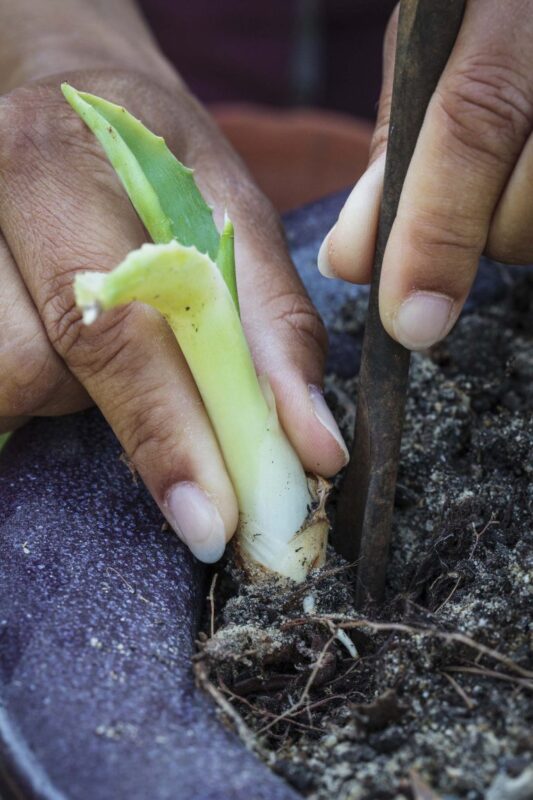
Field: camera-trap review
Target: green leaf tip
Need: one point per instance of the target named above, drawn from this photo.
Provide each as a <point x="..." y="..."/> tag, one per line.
<point x="161" y="189"/>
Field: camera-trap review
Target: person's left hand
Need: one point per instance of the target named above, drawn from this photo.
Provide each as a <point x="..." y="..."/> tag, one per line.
<point x="62" y="210"/>
<point x="469" y="187"/>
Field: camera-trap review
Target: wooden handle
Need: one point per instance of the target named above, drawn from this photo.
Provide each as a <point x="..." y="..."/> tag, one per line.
<point x="427" y="31"/>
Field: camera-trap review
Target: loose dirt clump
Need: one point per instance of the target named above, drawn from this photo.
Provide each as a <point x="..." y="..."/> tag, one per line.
<point x="429" y="696"/>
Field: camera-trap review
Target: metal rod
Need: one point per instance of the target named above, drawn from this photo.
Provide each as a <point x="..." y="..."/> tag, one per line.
<point x="427" y="31"/>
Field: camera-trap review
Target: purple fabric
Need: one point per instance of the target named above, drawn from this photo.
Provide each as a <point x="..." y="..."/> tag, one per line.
<point x="242" y="51"/>
<point x="98" y="613"/>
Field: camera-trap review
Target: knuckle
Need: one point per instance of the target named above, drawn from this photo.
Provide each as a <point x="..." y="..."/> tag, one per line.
<point x="57" y="306"/>
<point x="40" y="134"/>
<point x="107" y="348"/>
<point x="58" y="310"/>
<point x="487" y="107"/>
<point x="33" y="123"/>
<point x="435" y="235"/>
<point x="56" y="281"/>
<point x="297" y="318"/>
<point x="17" y="118"/>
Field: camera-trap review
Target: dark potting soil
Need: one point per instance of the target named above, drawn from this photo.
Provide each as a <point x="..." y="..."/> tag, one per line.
<point x="431" y="695"/>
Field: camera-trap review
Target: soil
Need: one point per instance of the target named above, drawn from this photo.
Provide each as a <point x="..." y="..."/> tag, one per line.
<point x="431" y="695"/>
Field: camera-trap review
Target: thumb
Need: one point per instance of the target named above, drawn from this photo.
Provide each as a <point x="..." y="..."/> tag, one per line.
<point x="347" y="251"/>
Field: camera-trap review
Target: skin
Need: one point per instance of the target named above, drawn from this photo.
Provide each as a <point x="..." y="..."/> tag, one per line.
<point x="468" y="187"/>
<point x="62" y="210"/>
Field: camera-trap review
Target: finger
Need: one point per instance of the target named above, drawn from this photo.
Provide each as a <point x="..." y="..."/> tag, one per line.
<point x="128" y="361"/>
<point x="138" y="377"/>
<point x="475" y="128"/>
<point x="34" y="380"/>
<point x="286" y="335"/>
<point x="288" y="342"/>
<point x="347" y="252"/>
<point x="510" y="238"/>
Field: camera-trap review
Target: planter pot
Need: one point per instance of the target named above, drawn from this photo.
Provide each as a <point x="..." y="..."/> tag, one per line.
<point x="99" y="607"/>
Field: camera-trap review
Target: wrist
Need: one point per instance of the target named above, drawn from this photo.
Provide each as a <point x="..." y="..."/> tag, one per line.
<point x="42" y="45"/>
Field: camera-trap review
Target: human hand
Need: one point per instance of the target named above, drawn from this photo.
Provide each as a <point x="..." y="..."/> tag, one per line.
<point x="468" y="189"/>
<point x="63" y="210"/>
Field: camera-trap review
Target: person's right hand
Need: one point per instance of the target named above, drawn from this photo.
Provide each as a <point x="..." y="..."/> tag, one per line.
<point x="468" y="187"/>
<point x="62" y="209"/>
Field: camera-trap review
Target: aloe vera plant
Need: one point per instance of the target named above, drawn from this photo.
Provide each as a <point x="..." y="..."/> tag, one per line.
<point x="188" y="275"/>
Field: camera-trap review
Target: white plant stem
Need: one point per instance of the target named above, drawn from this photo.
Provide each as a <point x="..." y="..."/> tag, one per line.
<point x="278" y="531"/>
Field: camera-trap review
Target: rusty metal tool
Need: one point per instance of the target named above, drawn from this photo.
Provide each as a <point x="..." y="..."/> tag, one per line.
<point x="427" y="31"/>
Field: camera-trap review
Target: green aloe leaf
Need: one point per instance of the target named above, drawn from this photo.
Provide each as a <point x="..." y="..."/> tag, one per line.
<point x="161" y="189"/>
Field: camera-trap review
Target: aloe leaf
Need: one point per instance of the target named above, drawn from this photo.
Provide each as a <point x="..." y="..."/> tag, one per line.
<point x="187" y="288"/>
<point x="3" y="439"/>
<point x="189" y="277"/>
<point x="161" y="189"/>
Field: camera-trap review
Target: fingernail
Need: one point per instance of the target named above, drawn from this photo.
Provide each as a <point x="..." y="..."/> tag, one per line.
<point x="423" y="319"/>
<point x="196" y="521"/>
<point x="323" y="258"/>
<point x="326" y="418"/>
